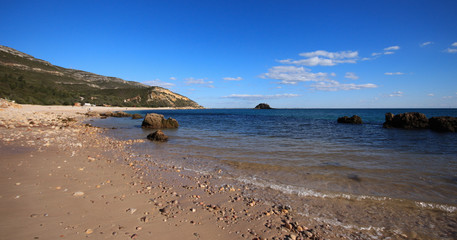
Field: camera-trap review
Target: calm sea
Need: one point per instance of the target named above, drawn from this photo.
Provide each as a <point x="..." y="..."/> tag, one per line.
<point x="304" y="154"/>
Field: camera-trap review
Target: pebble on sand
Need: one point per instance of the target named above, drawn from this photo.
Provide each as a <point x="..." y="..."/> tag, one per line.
<point x="78" y="194"/>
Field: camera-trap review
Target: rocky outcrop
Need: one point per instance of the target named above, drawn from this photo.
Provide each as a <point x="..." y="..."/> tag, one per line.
<point x="158" y="136"/>
<point x="263" y="106"/>
<point x="443" y="124"/>
<point x="409" y="120"/>
<point x="157" y="121"/>
<point x="352" y="120"/>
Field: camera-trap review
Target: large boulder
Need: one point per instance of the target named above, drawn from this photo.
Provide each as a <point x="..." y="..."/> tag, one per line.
<point x="158" y="136"/>
<point x="443" y="124"/>
<point x="262" y="106"/>
<point x="353" y="120"/>
<point x="409" y="120"/>
<point x="157" y="121"/>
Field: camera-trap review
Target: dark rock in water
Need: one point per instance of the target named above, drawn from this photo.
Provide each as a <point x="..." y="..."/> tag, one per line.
<point x="409" y="120"/>
<point x="353" y="120"/>
<point x="354" y="177"/>
<point x="116" y="114"/>
<point x="157" y="121"/>
<point x="443" y="124"/>
<point x="121" y="114"/>
<point x="158" y="136"/>
<point x="263" y="106"/>
<point x="137" y="116"/>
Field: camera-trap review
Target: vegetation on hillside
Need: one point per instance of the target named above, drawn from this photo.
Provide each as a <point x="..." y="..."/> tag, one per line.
<point x="34" y="81"/>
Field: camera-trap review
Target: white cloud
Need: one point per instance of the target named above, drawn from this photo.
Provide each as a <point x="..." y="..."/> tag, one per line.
<point x="396" y="94"/>
<point x="259" y="97"/>
<point x="431" y="94"/>
<point x="192" y="80"/>
<point x="332" y="85"/>
<point x="293" y="75"/>
<point x="233" y="79"/>
<point x="172" y="78"/>
<point x="425" y="44"/>
<point x="387" y="51"/>
<point x="448" y="97"/>
<point x="331" y="55"/>
<point x="394" y="73"/>
<point x="391" y="48"/>
<point x="158" y="82"/>
<point x="324" y="58"/>
<point x="451" y="50"/>
<point x="454" y="44"/>
<point x="351" y="75"/>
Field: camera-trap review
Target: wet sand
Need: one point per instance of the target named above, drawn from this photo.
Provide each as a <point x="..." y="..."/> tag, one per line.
<point x="61" y="179"/>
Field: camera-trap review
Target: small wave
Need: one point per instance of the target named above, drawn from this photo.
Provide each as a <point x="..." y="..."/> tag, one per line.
<point x="305" y="192"/>
<point x="442" y="207"/>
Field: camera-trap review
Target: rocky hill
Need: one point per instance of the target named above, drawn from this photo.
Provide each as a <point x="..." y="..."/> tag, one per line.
<point x="26" y="79"/>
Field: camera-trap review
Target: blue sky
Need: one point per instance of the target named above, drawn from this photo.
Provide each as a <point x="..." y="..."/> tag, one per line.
<point x="223" y="54"/>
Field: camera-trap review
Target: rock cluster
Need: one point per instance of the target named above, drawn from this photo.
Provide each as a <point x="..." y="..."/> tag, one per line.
<point x="157" y="121"/>
<point x="416" y="120"/>
<point x="353" y="120"/>
<point x="116" y="114"/>
<point x="137" y="116"/>
<point x="263" y="106"/>
<point x="409" y="120"/>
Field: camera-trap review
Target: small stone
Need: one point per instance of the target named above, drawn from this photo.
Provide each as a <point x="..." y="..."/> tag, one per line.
<point x="131" y="210"/>
<point x="89" y="231"/>
<point x="288" y="226"/>
<point x="309" y="234"/>
<point x="78" y="194"/>
<point x="193" y="210"/>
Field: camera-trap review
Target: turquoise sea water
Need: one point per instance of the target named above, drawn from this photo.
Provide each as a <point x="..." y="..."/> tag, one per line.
<point x="307" y="154"/>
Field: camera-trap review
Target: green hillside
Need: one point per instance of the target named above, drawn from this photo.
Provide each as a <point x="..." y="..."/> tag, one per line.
<point x="28" y="80"/>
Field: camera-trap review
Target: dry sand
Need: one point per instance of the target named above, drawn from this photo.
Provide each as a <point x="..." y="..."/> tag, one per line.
<point x="62" y="179"/>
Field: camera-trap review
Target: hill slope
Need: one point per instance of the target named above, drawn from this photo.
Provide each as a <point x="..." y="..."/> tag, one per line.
<point x="26" y="79"/>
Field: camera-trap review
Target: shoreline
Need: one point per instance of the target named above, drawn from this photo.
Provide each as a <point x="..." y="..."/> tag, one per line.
<point x="63" y="179"/>
<point x="124" y="195"/>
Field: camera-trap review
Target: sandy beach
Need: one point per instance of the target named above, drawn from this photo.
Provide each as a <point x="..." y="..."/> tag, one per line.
<point x="63" y="179"/>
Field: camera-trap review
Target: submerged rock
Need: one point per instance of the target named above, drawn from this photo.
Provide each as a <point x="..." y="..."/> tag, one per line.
<point x="157" y="121"/>
<point x="353" y="120"/>
<point x="158" y="136"/>
<point x="409" y="120"/>
<point x="443" y="124"/>
<point x="263" y="106"/>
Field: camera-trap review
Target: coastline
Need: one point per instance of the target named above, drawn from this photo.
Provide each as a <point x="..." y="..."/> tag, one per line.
<point x="63" y="179"/>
